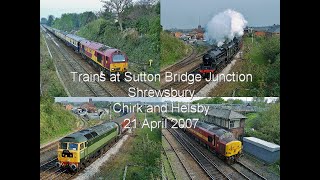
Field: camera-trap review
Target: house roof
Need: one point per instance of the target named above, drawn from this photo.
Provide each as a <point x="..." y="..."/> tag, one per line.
<point x="226" y="114"/>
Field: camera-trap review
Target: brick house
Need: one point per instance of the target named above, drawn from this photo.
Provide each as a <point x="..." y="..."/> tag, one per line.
<point x="227" y="119"/>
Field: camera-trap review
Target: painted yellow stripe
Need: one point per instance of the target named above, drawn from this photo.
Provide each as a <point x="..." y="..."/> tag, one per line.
<point x="198" y="134"/>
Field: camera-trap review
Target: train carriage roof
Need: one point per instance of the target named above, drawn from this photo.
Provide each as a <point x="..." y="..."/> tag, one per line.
<point x="89" y="133"/>
<point x="101" y="48"/>
<point x="120" y="119"/>
<point x="223" y="134"/>
<point x="75" y="37"/>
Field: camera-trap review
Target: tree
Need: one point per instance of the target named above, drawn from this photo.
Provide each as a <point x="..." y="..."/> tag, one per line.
<point x="271" y="48"/>
<point x="259" y="101"/>
<point x="235" y="101"/>
<point x="118" y="7"/>
<point x="43" y="21"/>
<point x="50" y="20"/>
<point x="215" y="100"/>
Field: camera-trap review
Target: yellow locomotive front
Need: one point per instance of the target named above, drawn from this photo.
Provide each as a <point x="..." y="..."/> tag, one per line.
<point x="68" y="154"/>
<point x="233" y="148"/>
<point x="119" y="63"/>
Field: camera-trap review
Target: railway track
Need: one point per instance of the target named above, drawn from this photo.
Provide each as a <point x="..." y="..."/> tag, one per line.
<point x="229" y="170"/>
<point x="188" y="64"/>
<point x="95" y="87"/>
<point x="117" y="87"/>
<point x="178" y="157"/>
<point x="48" y="170"/>
<point x="239" y="170"/>
<point x="247" y="171"/>
<point x="180" y="64"/>
<point x="211" y="169"/>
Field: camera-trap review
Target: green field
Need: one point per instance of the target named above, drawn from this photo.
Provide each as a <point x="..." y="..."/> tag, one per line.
<point x="142" y="154"/>
<point x="49" y="82"/>
<point x="172" y="49"/>
<point x="55" y="120"/>
<point x="261" y="59"/>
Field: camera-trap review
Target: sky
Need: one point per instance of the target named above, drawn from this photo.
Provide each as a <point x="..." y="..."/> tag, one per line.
<point x="58" y="7"/>
<point x="147" y="99"/>
<point x="185" y="13"/>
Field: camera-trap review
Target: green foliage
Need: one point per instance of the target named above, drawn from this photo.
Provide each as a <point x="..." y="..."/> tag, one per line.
<point x="214" y="100"/>
<point x="146" y="154"/>
<point x="49" y="82"/>
<point x="43" y="21"/>
<point x="271" y="49"/>
<point x="55" y="120"/>
<point x="141" y="34"/>
<point x="259" y="101"/>
<point x="172" y="49"/>
<point x="266" y="124"/>
<point x="73" y="21"/>
<point x="262" y="60"/>
<point x="235" y="101"/>
<point x="50" y="20"/>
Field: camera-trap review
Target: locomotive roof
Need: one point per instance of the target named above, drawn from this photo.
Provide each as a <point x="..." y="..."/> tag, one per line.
<point x="223" y="134"/>
<point x="212" y="128"/>
<point x="86" y="134"/>
<point x="99" y="47"/>
<point x="75" y="37"/>
<point x="215" y="52"/>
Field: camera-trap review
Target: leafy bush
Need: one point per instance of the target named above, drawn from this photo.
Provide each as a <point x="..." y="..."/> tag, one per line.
<point x="55" y="120"/>
<point x="172" y="49"/>
<point x="266" y="124"/>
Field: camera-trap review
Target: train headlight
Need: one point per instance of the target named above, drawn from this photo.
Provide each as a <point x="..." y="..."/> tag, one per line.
<point x="112" y="69"/>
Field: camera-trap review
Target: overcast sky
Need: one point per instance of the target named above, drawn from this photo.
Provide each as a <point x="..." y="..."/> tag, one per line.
<point x="146" y="99"/>
<point x="186" y="13"/>
<point x="58" y="7"/>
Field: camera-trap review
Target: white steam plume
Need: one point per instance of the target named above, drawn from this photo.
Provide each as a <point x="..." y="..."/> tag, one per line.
<point x="224" y="27"/>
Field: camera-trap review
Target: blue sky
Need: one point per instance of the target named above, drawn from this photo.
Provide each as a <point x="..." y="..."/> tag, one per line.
<point x="58" y="7"/>
<point x="186" y="13"/>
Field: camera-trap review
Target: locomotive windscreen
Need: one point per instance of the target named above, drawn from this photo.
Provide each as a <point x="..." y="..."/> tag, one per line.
<point x="118" y="58"/>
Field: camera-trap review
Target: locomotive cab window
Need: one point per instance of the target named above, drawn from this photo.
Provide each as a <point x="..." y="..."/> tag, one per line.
<point x="81" y="146"/>
<point x="63" y="145"/>
<point x="99" y="57"/>
<point x="73" y="146"/>
<point x="118" y="58"/>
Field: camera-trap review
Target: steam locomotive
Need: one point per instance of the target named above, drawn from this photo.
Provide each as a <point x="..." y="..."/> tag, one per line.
<point x="218" y="57"/>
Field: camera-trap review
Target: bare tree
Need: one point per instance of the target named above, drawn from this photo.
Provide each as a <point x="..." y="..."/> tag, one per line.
<point x="117" y="6"/>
